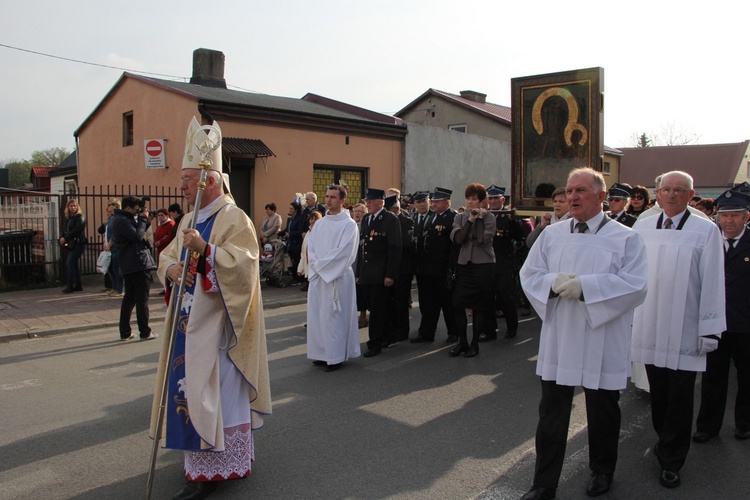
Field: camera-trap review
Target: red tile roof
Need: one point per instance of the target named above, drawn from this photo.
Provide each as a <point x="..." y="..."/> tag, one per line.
<point x="42" y="172"/>
<point x="711" y="165"/>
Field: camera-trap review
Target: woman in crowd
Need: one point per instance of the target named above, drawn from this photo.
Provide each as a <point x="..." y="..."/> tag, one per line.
<point x="163" y="231"/>
<point x="271" y="225"/>
<point x="73" y="241"/>
<point x="473" y="230"/>
<point x="706" y="205"/>
<point x="358" y="212"/>
<point x="314" y="216"/>
<point x="293" y="231"/>
<point x="113" y="272"/>
<point x="639" y="201"/>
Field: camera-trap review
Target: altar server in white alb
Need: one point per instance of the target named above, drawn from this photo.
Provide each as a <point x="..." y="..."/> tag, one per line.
<point x="332" y="328"/>
<point x="584" y="277"/>
<point x="219" y="389"/>
<point x="682" y="318"/>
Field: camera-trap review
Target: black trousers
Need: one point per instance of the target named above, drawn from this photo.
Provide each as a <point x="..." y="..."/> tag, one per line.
<point x="504" y="291"/>
<point x="381" y="330"/>
<point x="401" y="301"/>
<point x="433" y="298"/>
<point x="672" y="393"/>
<point x="137" y="287"/>
<point x="715" y="384"/>
<point x="603" y="414"/>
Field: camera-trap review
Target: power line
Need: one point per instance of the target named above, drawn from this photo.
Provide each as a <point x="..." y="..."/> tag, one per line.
<point x="89" y="63"/>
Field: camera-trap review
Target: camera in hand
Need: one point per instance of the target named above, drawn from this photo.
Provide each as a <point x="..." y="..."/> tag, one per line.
<point x="142" y="204"/>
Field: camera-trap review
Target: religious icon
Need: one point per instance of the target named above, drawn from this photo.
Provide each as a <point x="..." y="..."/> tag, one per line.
<point x="557" y="122"/>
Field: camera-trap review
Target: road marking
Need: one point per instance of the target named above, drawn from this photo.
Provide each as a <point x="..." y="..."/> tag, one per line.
<point x="23" y="384"/>
<point x="114" y="369"/>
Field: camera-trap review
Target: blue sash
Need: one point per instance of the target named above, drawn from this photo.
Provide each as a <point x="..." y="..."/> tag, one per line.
<point x="181" y="434"/>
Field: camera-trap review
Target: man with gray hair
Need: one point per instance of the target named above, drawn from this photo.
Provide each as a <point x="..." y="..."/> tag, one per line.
<point x="584" y="277"/>
<point x="682" y="318"/>
<point x="657" y="208"/>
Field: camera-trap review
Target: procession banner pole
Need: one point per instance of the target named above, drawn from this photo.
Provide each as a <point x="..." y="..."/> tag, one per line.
<point x="206" y="163"/>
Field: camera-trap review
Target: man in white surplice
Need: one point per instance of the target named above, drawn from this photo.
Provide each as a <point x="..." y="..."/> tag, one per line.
<point x="682" y="317"/>
<point x="584" y="277"/>
<point x="332" y="329"/>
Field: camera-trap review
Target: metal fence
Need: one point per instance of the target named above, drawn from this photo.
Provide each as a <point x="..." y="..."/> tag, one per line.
<point x="31" y="223"/>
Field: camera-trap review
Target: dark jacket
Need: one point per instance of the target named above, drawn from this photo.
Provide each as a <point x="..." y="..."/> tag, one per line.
<point x="419" y="230"/>
<point x="127" y="236"/>
<point x="439" y="254"/>
<point x="507" y="237"/>
<point x="380" y="249"/>
<point x="626" y="219"/>
<point x="408" y="245"/>
<point x="293" y="231"/>
<point x="737" y="280"/>
<point x="74" y="230"/>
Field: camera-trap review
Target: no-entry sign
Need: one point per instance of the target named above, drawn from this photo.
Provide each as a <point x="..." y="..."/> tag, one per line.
<point x="154" y="153"/>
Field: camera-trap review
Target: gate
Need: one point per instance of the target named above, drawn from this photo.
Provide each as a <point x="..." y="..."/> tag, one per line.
<point x="31" y="223"/>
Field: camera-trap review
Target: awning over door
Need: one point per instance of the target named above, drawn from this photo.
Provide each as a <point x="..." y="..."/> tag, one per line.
<point x="238" y="146"/>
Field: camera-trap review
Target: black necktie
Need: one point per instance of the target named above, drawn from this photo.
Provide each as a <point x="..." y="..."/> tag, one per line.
<point x="613" y="216"/>
<point x="668" y="224"/>
<point x="421" y="220"/>
<point x="582" y="227"/>
<point x="731" y="244"/>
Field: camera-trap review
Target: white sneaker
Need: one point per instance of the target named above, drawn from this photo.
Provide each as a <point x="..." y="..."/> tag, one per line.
<point x="132" y="336"/>
<point x="151" y="336"/>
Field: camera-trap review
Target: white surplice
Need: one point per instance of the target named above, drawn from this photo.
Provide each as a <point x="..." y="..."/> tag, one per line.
<point x="685" y="296"/>
<point x="586" y="342"/>
<point x="332" y="328"/>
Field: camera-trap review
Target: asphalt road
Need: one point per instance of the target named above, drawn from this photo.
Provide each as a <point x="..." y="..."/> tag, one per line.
<point x="410" y="423"/>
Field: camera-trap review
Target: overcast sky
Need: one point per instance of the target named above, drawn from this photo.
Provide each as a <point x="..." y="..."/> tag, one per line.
<point x="665" y="62"/>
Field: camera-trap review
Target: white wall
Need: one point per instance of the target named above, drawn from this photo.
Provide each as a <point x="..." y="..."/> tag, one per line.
<point x="435" y="157"/>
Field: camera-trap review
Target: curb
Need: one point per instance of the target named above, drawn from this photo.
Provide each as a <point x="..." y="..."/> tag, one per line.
<point x="38" y="332"/>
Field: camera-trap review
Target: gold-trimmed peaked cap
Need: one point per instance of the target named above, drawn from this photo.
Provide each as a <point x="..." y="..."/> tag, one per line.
<point x="202" y="142"/>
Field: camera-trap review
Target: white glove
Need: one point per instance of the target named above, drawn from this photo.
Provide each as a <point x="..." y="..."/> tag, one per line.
<point x="571" y="289"/>
<point x="559" y="280"/>
<point x="706" y="345"/>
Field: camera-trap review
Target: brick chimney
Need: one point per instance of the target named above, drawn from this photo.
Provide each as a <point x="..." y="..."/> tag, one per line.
<point x="208" y="68"/>
<point x="475" y="96"/>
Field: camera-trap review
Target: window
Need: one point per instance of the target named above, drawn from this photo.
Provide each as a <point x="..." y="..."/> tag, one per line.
<point x="354" y="177"/>
<point x="127" y="129"/>
<point x="748" y="169"/>
<point x="605" y="168"/>
<point x="459" y="128"/>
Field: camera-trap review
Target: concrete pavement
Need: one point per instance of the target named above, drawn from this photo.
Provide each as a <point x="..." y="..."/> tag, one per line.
<point x="48" y="311"/>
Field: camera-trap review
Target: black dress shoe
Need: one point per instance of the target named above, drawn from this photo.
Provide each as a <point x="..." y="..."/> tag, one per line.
<point x="419" y="339"/>
<point x="669" y="478"/>
<point x="473" y="351"/>
<point x="333" y="368"/>
<point x="539" y="494"/>
<point x="484" y="337"/>
<point x="510" y="334"/>
<point x="78" y="288"/>
<point x="702" y="437"/>
<point x="195" y="490"/>
<point x="741" y="435"/>
<point x="451" y="339"/>
<point x="67" y="290"/>
<point x="599" y="484"/>
<point x="370" y="353"/>
<point x="460" y="348"/>
<point x="320" y="362"/>
<point x="388" y="343"/>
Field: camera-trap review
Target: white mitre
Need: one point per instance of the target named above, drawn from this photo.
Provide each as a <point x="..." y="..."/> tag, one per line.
<point x="203" y="142"/>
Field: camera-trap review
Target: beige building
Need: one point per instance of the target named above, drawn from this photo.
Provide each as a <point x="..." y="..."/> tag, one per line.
<point x="273" y="146"/>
